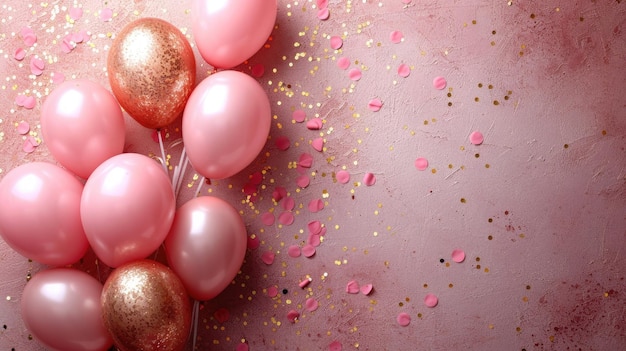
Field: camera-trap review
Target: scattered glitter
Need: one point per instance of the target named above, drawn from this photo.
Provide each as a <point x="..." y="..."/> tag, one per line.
<point x="375" y="105"/>
<point x="431" y="300"/>
<point x="316" y="205"/>
<point x="314" y="124"/>
<point x="355" y="74"/>
<point x="323" y="14"/>
<point x="404" y="319"/>
<point x="293" y="315"/>
<point x="367" y="289"/>
<point x="369" y="179"/>
<point x="404" y="70"/>
<point x="336" y="42"/>
<point x="343" y="63"/>
<point x="440" y="83"/>
<point x="458" y="256"/>
<point x="318" y="144"/>
<point x="298" y="116"/>
<point x="396" y="37"/>
<point x="309" y="250"/>
<point x="303" y="181"/>
<point x="286" y="218"/>
<point x="294" y="251"/>
<point x="343" y="177"/>
<point x="268" y="257"/>
<point x="268" y="218"/>
<point x="421" y="164"/>
<point x="311" y="304"/>
<point x="352" y="287"/>
<point x="476" y="138"/>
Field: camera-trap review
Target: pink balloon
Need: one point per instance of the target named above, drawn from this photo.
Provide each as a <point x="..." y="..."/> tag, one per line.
<point x="82" y="125"/>
<point x="127" y="208"/>
<point x="225" y="124"/>
<point x="206" y="246"/>
<point x="40" y="214"/>
<point x="243" y="27"/>
<point x="61" y="307"/>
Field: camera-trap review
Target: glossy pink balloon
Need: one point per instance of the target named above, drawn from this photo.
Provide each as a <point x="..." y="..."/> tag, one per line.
<point x="225" y="124"/>
<point x="228" y="32"/>
<point x="82" y="125"/>
<point x="40" y="214"/>
<point x="127" y="208"/>
<point x="206" y="246"/>
<point x="61" y="307"/>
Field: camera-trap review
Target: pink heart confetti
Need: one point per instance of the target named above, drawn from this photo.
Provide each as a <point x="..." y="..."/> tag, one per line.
<point x="282" y="143"/>
<point x="308" y="251"/>
<point x="305" y="160"/>
<point x="323" y="14"/>
<point x="314" y="124"/>
<point x="253" y="242"/>
<point x="298" y="116"/>
<point x="352" y="287"/>
<point x="28" y="146"/>
<point x="286" y="218"/>
<point x="315" y="227"/>
<point x="279" y="193"/>
<point x="322" y="4"/>
<point x="375" y="105"/>
<point x="36" y="66"/>
<point x="293" y="315"/>
<point x="303" y="181"/>
<point x="314" y="240"/>
<point x="23" y="128"/>
<point x="318" y="144"/>
<point x="355" y="74"/>
<point x="268" y="257"/>
<point x="19" y="54"/>
<point x="311" y="304"/>
<point x="294" y="251"/>
<point x="221" y="315"/>
<point x="289" y="203"/>
<point x="316" y="205"/>
<point x="268" y="218"/>
<point x="404" y="70"/>
<point x="367" y="289"/>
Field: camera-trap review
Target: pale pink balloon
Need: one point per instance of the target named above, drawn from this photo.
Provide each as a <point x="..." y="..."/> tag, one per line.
<point x="225" y="124"/>
<point x="206" y="246"/>
<point x="40" y="213"/>
<point x="127" y="208"/>
<point x="61" y="308"/>
<point x="228" y="32"/>
<point x="82" y="125"/>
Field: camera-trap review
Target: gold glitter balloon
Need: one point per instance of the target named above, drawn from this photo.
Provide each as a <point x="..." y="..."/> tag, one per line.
<point x="152" y="71"/>
<point x="145" y="307"/>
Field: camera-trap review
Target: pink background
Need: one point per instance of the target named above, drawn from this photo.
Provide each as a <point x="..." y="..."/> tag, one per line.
<point x="552" y="198"/>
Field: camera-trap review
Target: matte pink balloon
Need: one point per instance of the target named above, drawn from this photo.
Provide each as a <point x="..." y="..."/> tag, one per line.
<point x="40" y="214"/>
<point x="82" y="125"/>
<point x="61" y="308"/>
<point x="127" y="208"/>
<point x="225" y="124"/>
<point x="228" y="32"/>
<point x="206" y="246"/>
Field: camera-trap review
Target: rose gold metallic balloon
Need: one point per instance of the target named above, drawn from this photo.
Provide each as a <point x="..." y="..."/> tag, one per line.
<point x="152" y="71"/>
<point x="145" y="307"/>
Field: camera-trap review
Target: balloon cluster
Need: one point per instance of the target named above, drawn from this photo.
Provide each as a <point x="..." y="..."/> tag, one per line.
<point x="125" y="206"/>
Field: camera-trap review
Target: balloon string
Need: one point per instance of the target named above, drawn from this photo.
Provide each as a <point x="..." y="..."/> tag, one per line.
<point x="162" y="151"/>
<point x="178" y="172"/>
<point x="199" y="187"/>
<point x="181" y="174"/>
<point x="194" y="316"/>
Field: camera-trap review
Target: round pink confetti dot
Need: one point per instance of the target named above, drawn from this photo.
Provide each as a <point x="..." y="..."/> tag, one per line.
<point x="355" y="74"/>
<point x="289" y="203"/>
<point x="323" y="14"/>
<point x="318" y="144"/>
<point x="303" y="181"/>
<point x="316" y="205"/>
<point x="343" y="177"/>
<point x="279" y="193"/>
<point x="430" y="300"/>
<point x="253" y="243"/>
<point x="286" y="218"/>
<point x="272" y="291"/>
<point x="335" y="346"/>
<point x="336" y="42"/>
<point x="369" y="179"/>
<point x="375" y="105"/>
<point x="367" y="289"/>
<point x="421" y="164"/>
<point x="396" y="36"/>
<point x="298" y="116"/>
<point x="268" y="257"/>
<point x="282" y="143"/>
<point x="352" y="287"/>
<point x="242" y="347"/>
<point x="343" y="63"/>
<point x="308" y="250"/>
<point x="19" y="54"/>
<point x="314" y="240"/>
<point x="315" y="227"/>
<point x="294" y="251"/>
<point x="23" y="128"/>
<point x="268" y="218"/>
<point x="57" y="77"/>
<point x="458" y="255"/>
<point x="476" y="138"/>
<point x="404" y="70"/>
<point x="221" y="315"/>
<point x="440" y="83"/>
<point x="403" y="319"/>
<point x="256" y="178"/>
<point x="311" y="304"/>
<point x="293" y="315"/>
<point x="258" y="70"/>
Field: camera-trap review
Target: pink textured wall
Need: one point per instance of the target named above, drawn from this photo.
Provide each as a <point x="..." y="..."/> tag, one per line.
<point x="539" y="207"/>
